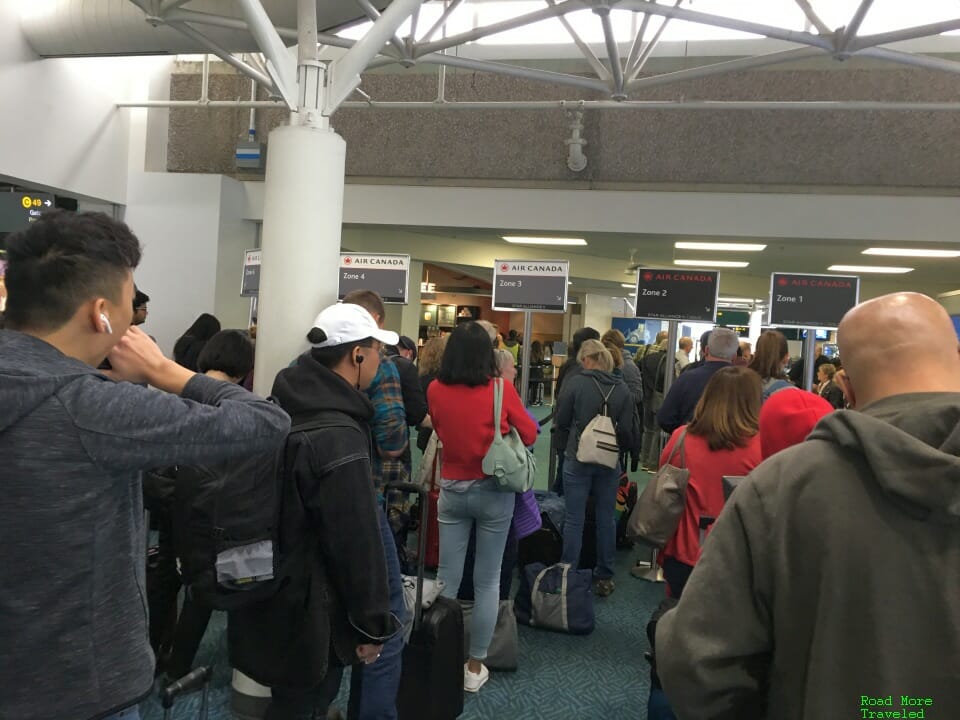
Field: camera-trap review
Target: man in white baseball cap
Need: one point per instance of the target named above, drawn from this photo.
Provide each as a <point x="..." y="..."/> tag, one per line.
<point x="337" y="612"/>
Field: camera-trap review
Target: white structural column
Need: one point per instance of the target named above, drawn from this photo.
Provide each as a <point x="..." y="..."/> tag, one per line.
<point x="302" y="214"/>
<point x="303" y="201"/>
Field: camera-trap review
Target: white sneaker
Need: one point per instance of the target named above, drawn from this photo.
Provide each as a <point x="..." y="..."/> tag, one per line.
<point x="472" y="682"/>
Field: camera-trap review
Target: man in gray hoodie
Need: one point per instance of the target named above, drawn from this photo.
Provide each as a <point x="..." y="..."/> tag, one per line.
<point x="73" y="610"/>
<point x="830" y="584"/>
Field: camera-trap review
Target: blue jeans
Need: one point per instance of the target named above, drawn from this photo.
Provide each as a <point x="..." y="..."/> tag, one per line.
<point x="131" y="713"/>
<point x="374" y="687"/>
<point x="580" y="480"/>
<point x="492" y="511"/>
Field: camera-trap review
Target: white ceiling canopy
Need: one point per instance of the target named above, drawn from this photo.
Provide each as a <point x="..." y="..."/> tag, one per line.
<point x="616" y="38"/>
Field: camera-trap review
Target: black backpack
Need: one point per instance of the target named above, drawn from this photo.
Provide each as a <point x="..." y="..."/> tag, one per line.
<point x="227" y="524"/>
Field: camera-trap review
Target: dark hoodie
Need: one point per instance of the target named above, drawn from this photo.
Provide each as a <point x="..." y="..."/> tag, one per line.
<point x="340" y="599"/>
<point x="581" y="401"/>
<point x="73" y="614"/>
<point x="832" y="573"/>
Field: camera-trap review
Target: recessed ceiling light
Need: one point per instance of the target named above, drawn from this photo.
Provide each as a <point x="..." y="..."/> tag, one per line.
<point x="628" y="285"/>
<point x="869" y="269"/>
<point x="724" y="247"/>
<point x="712" y="263"/>
<point x="912" y="252"/>
<point x="739" y="300"/>
<point x="525" y="240"/>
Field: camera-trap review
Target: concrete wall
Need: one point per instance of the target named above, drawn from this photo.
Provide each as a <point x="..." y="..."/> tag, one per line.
<point x="750" y="148"/>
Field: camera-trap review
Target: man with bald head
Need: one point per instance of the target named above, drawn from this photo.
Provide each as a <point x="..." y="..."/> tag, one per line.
<point x="830" y="585"/>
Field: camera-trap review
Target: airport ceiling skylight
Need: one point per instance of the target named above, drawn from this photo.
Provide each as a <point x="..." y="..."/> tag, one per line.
<point x="883" y="16"/>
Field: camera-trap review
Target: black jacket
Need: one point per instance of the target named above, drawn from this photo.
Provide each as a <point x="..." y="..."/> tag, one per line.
<point x="423" y="434"/>
<point x="340" y="596"/>
<point x="796" y="370"/>
<point x="653" y="370"/>
<point x="414" y="396"/>
<point x="581" y="402"/>
<point x="833" y="394"/>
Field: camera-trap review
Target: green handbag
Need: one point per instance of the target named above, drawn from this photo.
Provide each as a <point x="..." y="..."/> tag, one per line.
<point x="508" y="460"/>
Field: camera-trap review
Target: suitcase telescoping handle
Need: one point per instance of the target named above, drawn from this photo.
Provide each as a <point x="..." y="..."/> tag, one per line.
<point x="421" y="491"/>
<point x="199" y="678"/>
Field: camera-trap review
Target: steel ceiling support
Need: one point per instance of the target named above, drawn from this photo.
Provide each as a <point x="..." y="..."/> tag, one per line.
<point x="849" y="33"/>
<point x="770" y="31"/>
<point x="517" y="71"/>
<point x="202" y="18"/>
<point x="598" y="67"/>
<point x="634" y="70"/>
<point x="814" y="19"/>
<point x="728" y="66"/>
<point x="224" y="55"/>
<point x="424" y="48"/>
<point x="710" y="105"/>
<point x="280" y="65"/>
<point x="913" y="33"/>
<point x="345" y="71"/>
<point x="374" y="15"/>
<point x="613" y="52"/>
<point x="924" y="61"/>
<point x="442" y="21"/>
<point x="637" y="45"/>
<point x="168" y="5"/>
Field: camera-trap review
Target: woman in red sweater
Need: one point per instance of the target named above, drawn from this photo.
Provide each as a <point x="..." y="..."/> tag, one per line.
<point x="721" y="440"/>
<point x="461" y="406"/>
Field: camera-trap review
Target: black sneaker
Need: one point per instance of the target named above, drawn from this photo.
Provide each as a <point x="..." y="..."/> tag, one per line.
<point x="604" y="588"/>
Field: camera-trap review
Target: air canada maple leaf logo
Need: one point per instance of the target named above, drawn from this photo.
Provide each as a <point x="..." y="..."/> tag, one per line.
<point x="504" y="267"/>
<point x="648" y="276"/>
<point x="347" y="260"/>
<point x="783" y="282"/>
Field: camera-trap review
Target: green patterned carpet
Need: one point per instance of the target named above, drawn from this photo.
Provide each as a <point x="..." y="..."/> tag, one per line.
<point x="602" y="676"/>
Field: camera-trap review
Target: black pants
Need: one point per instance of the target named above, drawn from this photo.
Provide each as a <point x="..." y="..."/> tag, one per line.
<point x="676" y="574"/>
<point x="191" y="626"/>
<point x="295" y="704"/>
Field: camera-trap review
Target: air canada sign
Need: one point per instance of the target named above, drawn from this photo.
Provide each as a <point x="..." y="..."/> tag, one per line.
<point x="811" y="301"/>
<point x="387" y="275"/>
<point x="667" y="294"/>
<point x="530" y="285"/>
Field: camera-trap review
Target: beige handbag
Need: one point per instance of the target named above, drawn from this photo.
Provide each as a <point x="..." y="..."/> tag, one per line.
<point x="657" y="514"/>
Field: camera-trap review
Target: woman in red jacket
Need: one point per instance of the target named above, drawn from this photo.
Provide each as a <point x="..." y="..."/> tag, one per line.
<point x="461" y="406"/>
<point x="721" y="440"/>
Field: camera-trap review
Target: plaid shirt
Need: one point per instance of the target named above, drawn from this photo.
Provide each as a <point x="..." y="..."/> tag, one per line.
<point x="389" y="424"/>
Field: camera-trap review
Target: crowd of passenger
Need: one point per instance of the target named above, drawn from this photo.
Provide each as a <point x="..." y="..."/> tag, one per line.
<point x="826" y="581"/>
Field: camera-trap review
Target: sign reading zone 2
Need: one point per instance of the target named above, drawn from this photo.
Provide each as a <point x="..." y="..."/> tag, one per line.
<point x="668" y="294"/>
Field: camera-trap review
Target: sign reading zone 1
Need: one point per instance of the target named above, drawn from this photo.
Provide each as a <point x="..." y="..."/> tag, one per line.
<point x="386" y="275"/>
<point x="811" y="301"/>
<point x="526" y="285"/>
<point x="668" y="294"/>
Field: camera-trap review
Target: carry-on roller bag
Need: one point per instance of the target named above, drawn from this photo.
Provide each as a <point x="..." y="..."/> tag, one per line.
<point x="431" y="682"/>
<point x="198" y="678"/>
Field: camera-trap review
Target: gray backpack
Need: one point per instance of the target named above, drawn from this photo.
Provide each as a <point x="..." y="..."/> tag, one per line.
<point x="598" y="441"/>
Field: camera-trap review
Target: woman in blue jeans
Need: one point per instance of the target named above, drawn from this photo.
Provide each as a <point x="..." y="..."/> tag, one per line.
<point x="461" y="406"/>
<point x="582" y="399"/>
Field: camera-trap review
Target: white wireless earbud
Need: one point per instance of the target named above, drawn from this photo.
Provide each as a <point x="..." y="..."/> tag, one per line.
<point x="106" y="323"/>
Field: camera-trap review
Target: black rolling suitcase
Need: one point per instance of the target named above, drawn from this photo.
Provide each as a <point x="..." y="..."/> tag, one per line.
<point x="196" y="679"/>
<point x="431" y="683"/>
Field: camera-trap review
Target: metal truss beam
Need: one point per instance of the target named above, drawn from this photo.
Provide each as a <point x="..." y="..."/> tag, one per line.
<point x="637" y="46"/>
<point x="613" y="51"/>
<point x="598" y="67"/>
<point x="425" y="48"/>
<point x="168" y="5"/>
<point x="279" y="63"/>
<point x="770" y="31"/>
<point x="579" y="81"/>
<point x="729" y="66"/>
<point x="671" y="105"/>
<point x="924" y="61"/>
<point x="814" y="19"/>
<point x="345" y="71"/>
<point x="634" y="70"/>
<point x="912" y="33"/>
<point x="224" y="55"/>
<point x="849" y="33"/>
<point x="374" y="15"/>
<point x="447" y="12"/>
